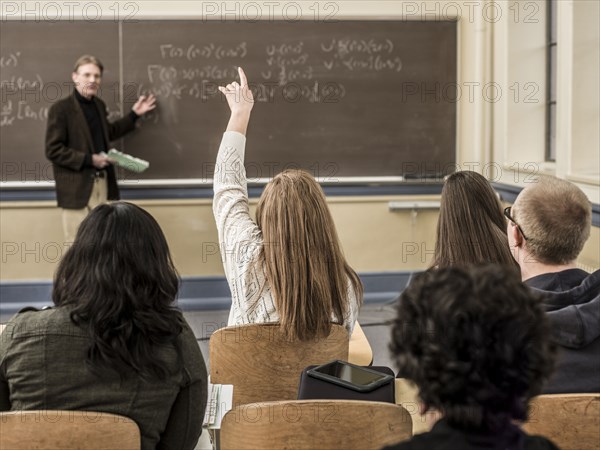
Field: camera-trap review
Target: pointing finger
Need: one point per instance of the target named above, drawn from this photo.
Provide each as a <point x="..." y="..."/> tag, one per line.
<point x="243" y="79"/>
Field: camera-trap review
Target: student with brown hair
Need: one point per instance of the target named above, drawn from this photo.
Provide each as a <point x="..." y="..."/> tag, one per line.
<point x="288" y="266"/>
<point x="471" y="228"/>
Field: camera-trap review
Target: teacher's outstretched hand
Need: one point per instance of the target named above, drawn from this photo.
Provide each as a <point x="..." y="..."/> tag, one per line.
<point x="240" y="100"/>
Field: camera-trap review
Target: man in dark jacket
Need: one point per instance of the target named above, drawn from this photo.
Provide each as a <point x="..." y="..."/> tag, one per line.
<point x="549" y="223"/>
<point x="78" y="136"/>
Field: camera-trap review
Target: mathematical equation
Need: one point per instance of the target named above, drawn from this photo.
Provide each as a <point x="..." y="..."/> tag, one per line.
<point x="12" y="111"/>
<point x="290" y="69"/>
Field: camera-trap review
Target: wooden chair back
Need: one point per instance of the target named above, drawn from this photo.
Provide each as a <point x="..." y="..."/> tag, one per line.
<point x="571" y="421"/>
<point x="407" y="395"/>
<point x="262" y="365"/>
<point x="82" y="430"/>
<point x="310" y="424"/>
<point x="360" y="351"/>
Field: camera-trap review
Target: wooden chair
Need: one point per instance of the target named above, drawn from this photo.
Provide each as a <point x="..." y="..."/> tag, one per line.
<point x="571" y="421"/>
<point x="359" y="351"/>
<point x="310" y="424"/>
<point x="262" y="365"/>
<point x="407" y="395"/>
<point x="82" y="430"/>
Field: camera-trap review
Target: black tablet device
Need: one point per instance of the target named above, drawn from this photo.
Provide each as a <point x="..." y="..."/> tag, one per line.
<point x="351" y="376"/>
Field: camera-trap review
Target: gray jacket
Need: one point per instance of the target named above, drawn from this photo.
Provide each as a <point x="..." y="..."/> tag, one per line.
<point x="42" y="367"/>
<point x="572" y="301"/>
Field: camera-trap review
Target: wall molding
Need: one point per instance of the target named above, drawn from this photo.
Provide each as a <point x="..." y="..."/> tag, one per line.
<point x="507" y="192"/>
<point x="195" y="293"/>
<point x="128" y="192"/>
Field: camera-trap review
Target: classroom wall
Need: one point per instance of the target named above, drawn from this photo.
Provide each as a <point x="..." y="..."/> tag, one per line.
<point x="374" y="239"/>
<point x="518" y="116"/>
<point x="502" y="136"/>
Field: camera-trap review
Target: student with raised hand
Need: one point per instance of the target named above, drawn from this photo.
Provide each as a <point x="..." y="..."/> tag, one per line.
<point x="288" y="266"/>
<point x="471" y="228"/>
<point x="114" y="343"/>
<point x="476" y="343"/>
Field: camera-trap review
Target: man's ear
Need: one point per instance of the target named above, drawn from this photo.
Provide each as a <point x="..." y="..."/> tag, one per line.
<point x="73" y="76"/>
<point x="517" y="236"/>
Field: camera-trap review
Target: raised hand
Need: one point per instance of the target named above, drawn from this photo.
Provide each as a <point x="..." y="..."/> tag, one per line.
<point x="144" y="104"/>
<point x="240" y="100"/>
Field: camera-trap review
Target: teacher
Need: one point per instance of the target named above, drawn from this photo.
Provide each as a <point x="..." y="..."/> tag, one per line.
<point x="77" y="137"/>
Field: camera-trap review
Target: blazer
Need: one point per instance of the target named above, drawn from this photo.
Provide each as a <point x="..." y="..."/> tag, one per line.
<point x="69" y="140"/>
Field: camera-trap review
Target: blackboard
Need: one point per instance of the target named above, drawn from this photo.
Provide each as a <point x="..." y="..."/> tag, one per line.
<point x="340" y="99"/>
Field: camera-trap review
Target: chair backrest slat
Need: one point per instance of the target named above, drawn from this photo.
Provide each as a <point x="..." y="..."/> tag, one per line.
<point x="310" y="424"/>
<point x="262" y="365"/>
<point x="83" y="430"/>
<point x="571" y="421"/>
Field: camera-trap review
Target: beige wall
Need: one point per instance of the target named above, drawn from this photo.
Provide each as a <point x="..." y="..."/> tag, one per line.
<point x="373" y="238"/>
<point x="519" y="68"/>
<point x="584" y="157"/>
<point x="589" y="259"/>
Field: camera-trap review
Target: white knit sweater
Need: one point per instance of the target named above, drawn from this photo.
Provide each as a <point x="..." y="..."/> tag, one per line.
<point x="240" y="241"/>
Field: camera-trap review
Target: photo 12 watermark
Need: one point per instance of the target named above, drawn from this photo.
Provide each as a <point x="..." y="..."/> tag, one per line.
<point x="516" y="11"/>
<point x="470" y="91"/>
<point x="289" y="11"/>
<point x="33" y="252"/>
<point x="325" y="413"/>
<point x="31" y="172"/>
<point x="68" y="11"/>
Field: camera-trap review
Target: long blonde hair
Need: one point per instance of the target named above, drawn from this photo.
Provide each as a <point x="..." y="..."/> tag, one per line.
<point x="303" y="261"/>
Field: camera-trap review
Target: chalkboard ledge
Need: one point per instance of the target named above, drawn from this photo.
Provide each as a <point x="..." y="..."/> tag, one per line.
<point x="45" y="192"/>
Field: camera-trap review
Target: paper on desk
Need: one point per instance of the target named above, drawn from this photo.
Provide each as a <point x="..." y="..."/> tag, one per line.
<point x="219" y="402"/>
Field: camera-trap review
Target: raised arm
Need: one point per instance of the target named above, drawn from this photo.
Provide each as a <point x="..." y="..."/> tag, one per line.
<point x="239" y="236"/>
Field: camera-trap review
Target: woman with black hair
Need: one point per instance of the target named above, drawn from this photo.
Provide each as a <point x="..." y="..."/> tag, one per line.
<point x="476" y="342"/>
<point x="114" y="342"/>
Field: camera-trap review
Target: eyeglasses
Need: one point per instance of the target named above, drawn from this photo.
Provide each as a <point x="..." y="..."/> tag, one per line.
<point x="509" y="217"/>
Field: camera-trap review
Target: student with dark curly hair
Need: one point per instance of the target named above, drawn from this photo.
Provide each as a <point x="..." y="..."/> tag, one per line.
<point x="114" y="342"/>
<point x="476" y="343"/>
